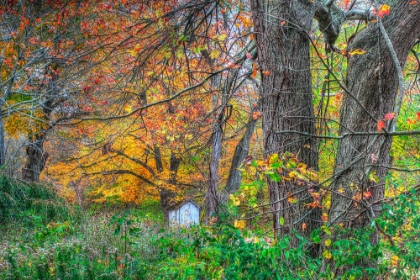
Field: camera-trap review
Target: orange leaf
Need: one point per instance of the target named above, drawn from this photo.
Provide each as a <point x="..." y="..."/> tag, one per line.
<point x="266" y="72"/>
<point x="381" y="125"/>
<point x="303" y="226"/>
<point x="254" y="73"/>
<point x="410" y="121"/>
<point x="367" y="194"/>
<point x="346" y="3"/>
<point x="291" y="198"/>
<point x="384" y="11"/>
<point x="256" y="115"/>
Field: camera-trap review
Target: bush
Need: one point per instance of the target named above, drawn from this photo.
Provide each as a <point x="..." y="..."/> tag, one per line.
<point x="20" y="202"/>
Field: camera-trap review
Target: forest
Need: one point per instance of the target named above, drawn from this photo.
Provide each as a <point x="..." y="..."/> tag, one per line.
<point x="292" y="127"/>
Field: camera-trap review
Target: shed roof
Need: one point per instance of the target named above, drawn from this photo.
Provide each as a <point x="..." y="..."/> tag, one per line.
<point x="180" y="204"/>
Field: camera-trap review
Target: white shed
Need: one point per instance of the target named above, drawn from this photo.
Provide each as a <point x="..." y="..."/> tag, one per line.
<point x="185" y="213"/>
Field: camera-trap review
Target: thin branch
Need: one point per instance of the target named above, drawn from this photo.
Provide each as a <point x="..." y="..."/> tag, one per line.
<point x="395" y="133"/>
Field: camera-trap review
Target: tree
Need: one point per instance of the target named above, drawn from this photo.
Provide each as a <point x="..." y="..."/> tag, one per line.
<point x="374" y="92"/>
<point x="281" y="29"/>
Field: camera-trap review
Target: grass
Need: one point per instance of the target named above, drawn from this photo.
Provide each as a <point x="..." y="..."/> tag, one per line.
<point x="43" y="238"/>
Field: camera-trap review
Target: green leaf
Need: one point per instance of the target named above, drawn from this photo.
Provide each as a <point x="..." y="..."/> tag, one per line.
<point x="275" y="177"/>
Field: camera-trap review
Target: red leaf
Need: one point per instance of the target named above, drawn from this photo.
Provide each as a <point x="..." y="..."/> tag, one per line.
<point x="381" y="125"/>
<point x="418" y="115"/>
<point x="389" y="116"/>
<point x="248" y="55"/>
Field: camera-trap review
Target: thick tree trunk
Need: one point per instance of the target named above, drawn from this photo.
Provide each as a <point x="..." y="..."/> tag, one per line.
<point x="372" y="80"/>
<point x="35" y="159"/>
<point x="281" y="29"/>
<point x="167" y="195"/>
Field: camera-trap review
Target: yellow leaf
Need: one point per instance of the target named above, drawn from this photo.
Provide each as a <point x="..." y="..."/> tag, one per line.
<point x="327" y="242"/>
<point x="327" y="254"/>
<point x="221" y="37"/>
<point x="214" y="54"/>
<point x="239" y="224"/>
<point x="357" y="51"/>
<point x="236" y="202"/>
<point x="293" y="174"/>
<point x="394" y="260"/>
<point x="273" y="158"/>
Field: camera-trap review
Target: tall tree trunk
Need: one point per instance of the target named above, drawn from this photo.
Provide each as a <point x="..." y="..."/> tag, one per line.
<point x="2" y="142"/>
<point x="281" y="28"/>
<point x="241" y="152"/>
<point x="167" y="195"/>
<point x="212" y="196"/>
<point x="35" y="158"/>
<point x="372" y="80"/>
<point x="222" y="114"/>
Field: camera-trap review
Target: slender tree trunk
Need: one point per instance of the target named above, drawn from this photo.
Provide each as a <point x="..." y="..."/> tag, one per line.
<point x="281" y="28"/>
<point x="241" y="152"/>
<point x="212" y="196"/>
<point x="2" y="142"/>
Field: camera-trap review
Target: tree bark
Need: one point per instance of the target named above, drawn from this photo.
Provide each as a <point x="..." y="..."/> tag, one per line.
<point x="36" y="159"/>
<point x="281" y="28"/>
<point x="167" y="196"/>
<point x="2" y="142"/>
<point x="372" y="80"/>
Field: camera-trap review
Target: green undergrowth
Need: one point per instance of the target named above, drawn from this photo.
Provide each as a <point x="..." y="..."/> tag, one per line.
<point x="53" y="243"/>
<point x="29" y="203"/>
